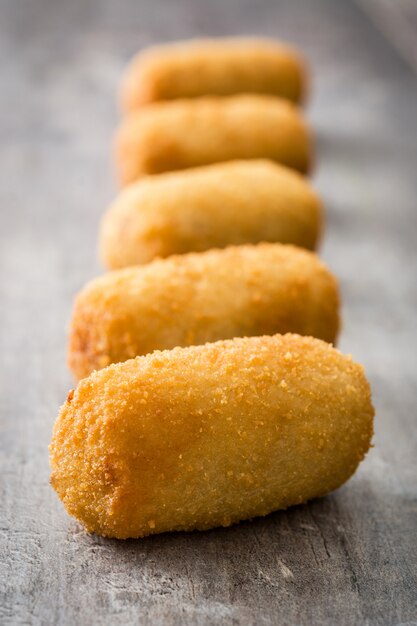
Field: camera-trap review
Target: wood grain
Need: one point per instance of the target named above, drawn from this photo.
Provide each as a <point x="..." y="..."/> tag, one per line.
<point x="347" y="559"/>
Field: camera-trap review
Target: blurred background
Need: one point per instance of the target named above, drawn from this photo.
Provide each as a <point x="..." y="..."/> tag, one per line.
<point x="351" y="556"/>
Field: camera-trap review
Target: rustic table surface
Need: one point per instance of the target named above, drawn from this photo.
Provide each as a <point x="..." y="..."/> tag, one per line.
<point x="346" y="559"/>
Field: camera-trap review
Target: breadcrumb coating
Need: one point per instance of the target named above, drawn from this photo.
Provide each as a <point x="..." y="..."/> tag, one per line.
<point x="207" y="436"/>
<point x="214" y="206"/>
<point x="177" y="135"/>
<point x="222" y="67"/>
<point x="201" y="297"/>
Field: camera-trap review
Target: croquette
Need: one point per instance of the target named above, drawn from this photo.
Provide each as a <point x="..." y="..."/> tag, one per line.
<point x="214" y="206"/>
<point x="177" y="135"/>
<point x="201" y="297"/>
<point x="216" y="67"/>
<point x="207" y="436"/>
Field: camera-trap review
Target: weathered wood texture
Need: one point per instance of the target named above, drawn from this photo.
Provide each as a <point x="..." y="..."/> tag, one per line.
<point x="398" y="20"/>
<point x="347" y="559"/>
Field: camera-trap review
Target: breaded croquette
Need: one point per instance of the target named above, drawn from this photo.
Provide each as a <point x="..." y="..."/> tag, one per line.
<point x="199" y="297"/>
<point x="207" y="436"/>
<point x="187" y="133"/>
<point x="209" y="207"/>
<point x="222" y="67"/>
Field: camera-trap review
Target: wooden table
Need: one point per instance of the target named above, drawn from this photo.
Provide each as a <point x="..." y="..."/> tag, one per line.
<point x="346" y="559"/>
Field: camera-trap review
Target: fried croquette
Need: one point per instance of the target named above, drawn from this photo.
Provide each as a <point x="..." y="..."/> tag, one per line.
<point x="207" y="436"/>
<point x="222" y="67"/>
<point x="181" y="134"/>
<point x="201" y="297"/>
<point x="209" y="207"/>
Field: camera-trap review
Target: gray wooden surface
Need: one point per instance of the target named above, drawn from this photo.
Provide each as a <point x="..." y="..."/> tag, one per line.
<point x="346" y="559"/>
<point x="398" y="20"/>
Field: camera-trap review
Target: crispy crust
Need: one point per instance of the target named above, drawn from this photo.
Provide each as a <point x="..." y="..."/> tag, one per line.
<point x="181" y="134"/>
<point x="205" y="436"/>
<point x="199" y="297"/>
<point x="209" y="207"/>
<point x="223" y="67"/>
